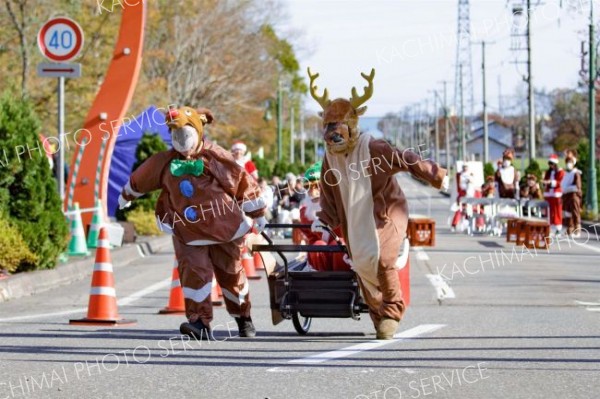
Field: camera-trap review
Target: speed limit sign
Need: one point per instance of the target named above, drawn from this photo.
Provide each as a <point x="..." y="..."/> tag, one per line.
<point x="60" y="39"/>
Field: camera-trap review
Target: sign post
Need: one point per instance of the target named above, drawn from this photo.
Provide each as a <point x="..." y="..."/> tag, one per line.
<point x="60" y="40"/>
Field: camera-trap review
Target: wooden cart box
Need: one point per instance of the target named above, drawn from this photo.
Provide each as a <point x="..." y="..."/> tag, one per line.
<point x="421" y="232"/>
<point x="515" y="229"/>
<point x="536" y="231"/>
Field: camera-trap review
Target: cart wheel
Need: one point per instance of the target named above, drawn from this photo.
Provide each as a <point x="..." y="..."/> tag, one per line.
<point x="301" y="324"/>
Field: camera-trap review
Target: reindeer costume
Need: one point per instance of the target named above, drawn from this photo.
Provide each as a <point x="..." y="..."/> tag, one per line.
<point x="207" y="202"/>
<point x="360" y="193"/>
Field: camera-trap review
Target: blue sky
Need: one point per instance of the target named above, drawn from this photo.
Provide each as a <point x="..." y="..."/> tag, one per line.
<point x="412" y="46"/>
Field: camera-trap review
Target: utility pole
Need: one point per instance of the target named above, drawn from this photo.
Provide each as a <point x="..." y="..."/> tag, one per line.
<point x="292" y="132"/>
<point x="461" y="120"/>
<point x="302" y="137"/>
<point x="532" y="151"/>
<point x="279" y="121"/>
<point x="447" y="125"/>
<point x="436" y="127"/>
<point x="486" y="133"/>
<point x="592" y="194"/>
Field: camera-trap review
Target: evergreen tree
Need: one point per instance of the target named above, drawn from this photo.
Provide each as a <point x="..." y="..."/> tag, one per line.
<point x="28" y="191"/>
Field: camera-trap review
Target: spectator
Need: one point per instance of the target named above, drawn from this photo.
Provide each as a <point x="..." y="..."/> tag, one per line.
<point x="466" y="189"/>
<point x="507" y="177"/>
<point x="553" y="193"/>
<point x="572" y="196"/>
<point x="531" y="190"/>
<point x="268" y="196"/>
<point x="488" y="190"/>
<point x="238" y="150"/>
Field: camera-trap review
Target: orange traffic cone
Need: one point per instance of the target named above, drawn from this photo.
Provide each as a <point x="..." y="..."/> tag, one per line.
<point x="102" y="307"/>
<point x="214" y="293"/>
<point x="258" y="261"/>
<point x="404" y="277"/>
<point x="248" y="264"/>
<point x="176" y="303"/>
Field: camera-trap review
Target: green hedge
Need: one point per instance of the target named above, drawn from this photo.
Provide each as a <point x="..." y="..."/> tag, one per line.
<point x="29" y="197"/>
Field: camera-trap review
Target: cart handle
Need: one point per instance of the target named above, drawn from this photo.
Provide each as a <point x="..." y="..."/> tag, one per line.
<point x="303" y="226"/>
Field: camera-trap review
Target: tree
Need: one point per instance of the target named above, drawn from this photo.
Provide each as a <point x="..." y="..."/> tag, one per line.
<point x="28" y="192"/>
<point x="568" y="118"/>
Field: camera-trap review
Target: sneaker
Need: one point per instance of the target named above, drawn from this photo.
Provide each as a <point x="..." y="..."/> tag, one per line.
<point x="387" y="328"/>
<point x="196" y="330"/>
<point x="245" y="327"/>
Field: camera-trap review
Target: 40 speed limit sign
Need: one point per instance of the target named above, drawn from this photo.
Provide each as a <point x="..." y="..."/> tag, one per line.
<point x="60" y="39"/>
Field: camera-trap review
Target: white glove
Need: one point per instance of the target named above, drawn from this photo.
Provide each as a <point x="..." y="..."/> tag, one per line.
<point x="318" y="227"/>
<point x="259" y="224"/>
<point x="446" y="183"/>
<point x="123" y="203"/>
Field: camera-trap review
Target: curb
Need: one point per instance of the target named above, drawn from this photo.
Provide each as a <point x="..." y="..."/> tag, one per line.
<point x="31" y="283"/>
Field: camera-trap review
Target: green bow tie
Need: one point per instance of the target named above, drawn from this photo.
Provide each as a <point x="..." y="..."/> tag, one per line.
<point x="181" y="167"/>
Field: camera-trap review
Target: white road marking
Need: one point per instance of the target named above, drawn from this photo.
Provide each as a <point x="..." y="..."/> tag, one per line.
<point x="593" y="309"/>
<point x="364" y="346"/>
<point x="123" y="302"/>
<point x="442" y="289"/>
<point x="587" y="303"/>
<point x="589" y="247"/>
<point x="421" y="255"/>
<point x="36" y="316"/>
<point x="143" y="292"/>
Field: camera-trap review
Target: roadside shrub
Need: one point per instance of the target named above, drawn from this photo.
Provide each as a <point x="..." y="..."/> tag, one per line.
<point x="144" y="222"/>
<point x="15" y="252"/>
<point x="29" y="197"/>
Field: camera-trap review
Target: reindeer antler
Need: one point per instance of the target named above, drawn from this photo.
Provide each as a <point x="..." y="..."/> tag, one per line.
<point x="322" y="100"/>
<point x="357" y="101"/>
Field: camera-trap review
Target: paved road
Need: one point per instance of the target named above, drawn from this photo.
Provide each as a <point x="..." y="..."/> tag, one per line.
<point x="513" y="330"/>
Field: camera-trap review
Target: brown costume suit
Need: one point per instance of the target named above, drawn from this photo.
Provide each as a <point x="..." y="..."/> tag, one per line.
<point x="387" y="213"/>
<point x="208" y="215"/>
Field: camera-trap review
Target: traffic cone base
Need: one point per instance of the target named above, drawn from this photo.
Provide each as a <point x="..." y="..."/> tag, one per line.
<point x="258" y="261"/>
<point x="176" y="305"/>
<point x="77" y="244"/>
<point x="97" y="322"/>
<point x="102" y="306"/>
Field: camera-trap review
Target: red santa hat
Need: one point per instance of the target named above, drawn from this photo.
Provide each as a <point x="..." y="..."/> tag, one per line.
<point x="553" y="158"/>
<point x="238" y="145"/>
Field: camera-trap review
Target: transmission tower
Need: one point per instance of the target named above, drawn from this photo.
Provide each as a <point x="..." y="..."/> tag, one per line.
<point x="464" y="58"/>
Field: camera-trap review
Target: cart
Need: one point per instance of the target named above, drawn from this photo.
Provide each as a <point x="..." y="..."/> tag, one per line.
<point x="299" y="294"/>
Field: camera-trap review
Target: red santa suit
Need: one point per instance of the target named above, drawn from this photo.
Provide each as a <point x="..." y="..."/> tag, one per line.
<point x="245" y="162"/>
<point x="553" y="194"/>
<point x="321" y="261"/>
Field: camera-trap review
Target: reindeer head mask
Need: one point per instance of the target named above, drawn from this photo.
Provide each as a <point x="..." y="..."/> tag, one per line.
<point x="187" y="128"/>
<point x="340" y="116"/>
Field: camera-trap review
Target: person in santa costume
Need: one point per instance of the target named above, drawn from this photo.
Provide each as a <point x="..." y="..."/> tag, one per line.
<point x="238" y="150"/>
<point x="465" y="188"/>
<point x="310" y="206"/>
<point x="507" y="177"/>
<point x="572" y="195"/>
<point x="553" y="192"/>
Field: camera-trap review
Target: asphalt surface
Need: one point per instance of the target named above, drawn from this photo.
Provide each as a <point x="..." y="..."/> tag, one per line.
<point x="513" y="330"/>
